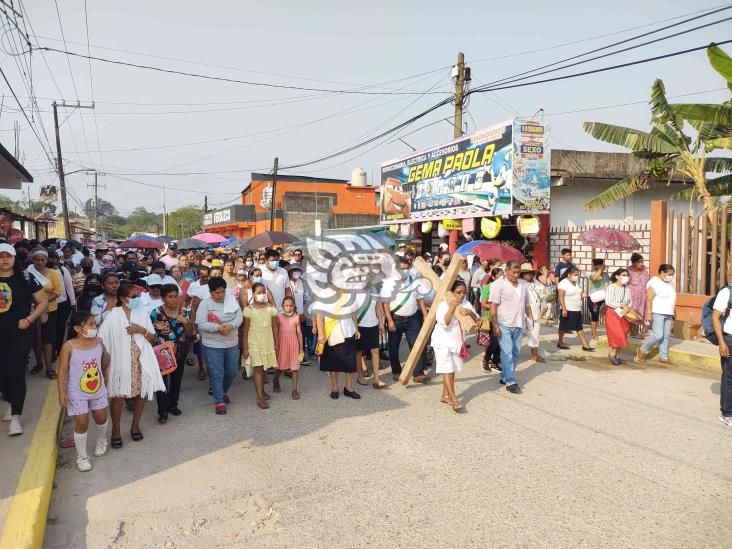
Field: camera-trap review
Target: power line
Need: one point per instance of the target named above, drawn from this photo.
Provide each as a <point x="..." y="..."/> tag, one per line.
<point x="226" y="79"/>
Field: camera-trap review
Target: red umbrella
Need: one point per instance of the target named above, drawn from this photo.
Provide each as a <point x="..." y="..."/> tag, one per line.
<point x="142" y="243"/>
<point x="613" y="240"/>
<point x="497" y="250"/>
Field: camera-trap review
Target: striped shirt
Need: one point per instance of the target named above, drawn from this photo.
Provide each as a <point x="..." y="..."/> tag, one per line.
<point x="615" y="296"/>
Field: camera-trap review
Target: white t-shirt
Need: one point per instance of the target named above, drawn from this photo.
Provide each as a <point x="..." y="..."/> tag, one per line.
<point x="572" y="295"/>
<point x="148" y="303"/>
<point x="298" y="293"/>
<point x="369" y="319"/>
<point x="720" y="304"/>
<point x="276" y="281"/>
<point x="169" y="261"/>
<point x="664" y="302"/>
<point x="196" y="289"/>
<point x="404" y="302"/>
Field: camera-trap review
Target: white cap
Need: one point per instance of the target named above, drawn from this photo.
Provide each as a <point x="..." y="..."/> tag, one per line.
<point x="154" y="280"/>
<point x="7" y="248"/>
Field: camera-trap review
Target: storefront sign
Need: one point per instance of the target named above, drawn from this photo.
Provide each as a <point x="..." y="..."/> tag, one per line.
<point x="232" y="214"/>
<point x="452" y="225"/>
<point x="468" y="177"/>
<point x="531" y="166"/>
<point x="528" y="225"/>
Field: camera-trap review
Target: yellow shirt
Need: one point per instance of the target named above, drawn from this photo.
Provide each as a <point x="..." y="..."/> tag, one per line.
<point x="53" y="289"/>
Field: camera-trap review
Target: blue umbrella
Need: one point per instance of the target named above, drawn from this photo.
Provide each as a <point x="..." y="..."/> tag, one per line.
<point x="465" y="249"/>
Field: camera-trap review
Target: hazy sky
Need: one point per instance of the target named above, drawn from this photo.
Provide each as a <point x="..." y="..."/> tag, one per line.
<point x="318" y="44"/>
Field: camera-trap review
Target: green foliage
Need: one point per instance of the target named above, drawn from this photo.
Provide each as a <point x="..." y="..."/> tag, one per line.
<point x="668" y="152"/>
<point x="104" y="209"/>
<point x="185" y="221"/>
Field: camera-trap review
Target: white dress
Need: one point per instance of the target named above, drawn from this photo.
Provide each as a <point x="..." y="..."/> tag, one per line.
<point x="448" y="339"/>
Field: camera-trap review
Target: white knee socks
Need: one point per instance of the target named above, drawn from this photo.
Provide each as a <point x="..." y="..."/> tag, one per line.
<point x="80" y="441"/>
<point x="101" y="430"/>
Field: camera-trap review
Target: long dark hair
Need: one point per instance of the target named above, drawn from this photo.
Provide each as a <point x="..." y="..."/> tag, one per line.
<point x="78" y="318"/>
<point x="85" y="299"/>
<point x="124" y="291"/>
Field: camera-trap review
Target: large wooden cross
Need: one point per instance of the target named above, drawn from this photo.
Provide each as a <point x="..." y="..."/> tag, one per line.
<point x="442" y="292"/>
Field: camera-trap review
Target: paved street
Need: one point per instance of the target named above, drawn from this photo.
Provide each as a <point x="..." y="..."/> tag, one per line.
<point x="588" y="456"/>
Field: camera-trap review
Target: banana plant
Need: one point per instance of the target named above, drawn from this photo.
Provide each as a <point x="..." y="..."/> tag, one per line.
<point x="666" y="152"/>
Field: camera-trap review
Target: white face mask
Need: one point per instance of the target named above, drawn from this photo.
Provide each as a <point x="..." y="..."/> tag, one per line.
<point x="262" y="298"/>
<point x="624" y="280"/>
<point x="296" y="275"/>
<point x="90" y="333"/>
<point x="573" y="278"/>
<point x="670" y="279"/>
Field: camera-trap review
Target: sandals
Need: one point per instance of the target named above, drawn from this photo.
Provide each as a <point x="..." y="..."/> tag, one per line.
<point x="262" y="404"/>
<point x="456" y="406"/>
<point x="295" y="395"/>
<point x="445" y="401"/>
<point x="190" y="362"/>
<point x="276" y="386"/>
<point x="588" y="349"/>
<point x="116" y="443"/>
<point x="364" y="383"/>
<point x="379" y="385"/>
<point x="50" y="374"/>
<point x="137" y="437"/>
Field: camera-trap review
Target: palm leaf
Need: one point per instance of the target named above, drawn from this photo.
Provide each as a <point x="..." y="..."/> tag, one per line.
<point x="721" y="186"/>
<point x="717" y="164"/>
<point x="629" y="138"/>
<point x="721" y="143"/>
<point x="622" y="189"/>
<point x="718" y="115"/>
<point x="663" y="112"/>
<point x="720" y="61"/>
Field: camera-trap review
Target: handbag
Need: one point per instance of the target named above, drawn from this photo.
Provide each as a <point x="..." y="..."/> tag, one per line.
<point x="165" y="355"/>
<point x="483" y="324"/>
<point x="597" y="296"/>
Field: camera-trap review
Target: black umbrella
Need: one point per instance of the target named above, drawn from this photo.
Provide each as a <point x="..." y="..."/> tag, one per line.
<point x="191" y="244"/>
<point x="51" y="242"/>
<point x="267" y="239"/>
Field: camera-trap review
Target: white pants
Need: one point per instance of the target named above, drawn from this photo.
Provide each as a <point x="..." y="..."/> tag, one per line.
<point x="447" y="362"/>
<point x="533" y="333"/>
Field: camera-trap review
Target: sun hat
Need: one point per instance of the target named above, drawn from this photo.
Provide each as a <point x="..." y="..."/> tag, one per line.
<point x="527" y="268"/>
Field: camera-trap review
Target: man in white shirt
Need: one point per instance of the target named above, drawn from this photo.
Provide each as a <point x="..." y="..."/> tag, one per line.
<point x="275" y="278"/>
<point x="722" y="323"/>
<point x="403" y="318"/>
<point x="99" y="252"/>
<point x="171" y="257"/>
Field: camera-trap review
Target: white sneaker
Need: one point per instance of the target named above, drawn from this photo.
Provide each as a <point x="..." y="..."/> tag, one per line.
<point x="83" y="464"/>
<point x="101" y="448"/>
<point x="9" y="415"/>
<point x="15" y="428"/>
<point x="727" y="420"/>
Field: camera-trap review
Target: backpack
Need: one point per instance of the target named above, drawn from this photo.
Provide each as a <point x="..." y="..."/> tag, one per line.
<point x="707" y="310"/>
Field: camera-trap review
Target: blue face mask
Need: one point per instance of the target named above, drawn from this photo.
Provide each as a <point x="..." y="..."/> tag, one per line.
<point x="257" y="279"/>
<point x="274" y="264"/>
<point x="133" y="303"/>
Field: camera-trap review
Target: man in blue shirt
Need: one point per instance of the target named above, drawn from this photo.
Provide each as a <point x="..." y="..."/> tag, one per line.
<point x="565" y="263"/>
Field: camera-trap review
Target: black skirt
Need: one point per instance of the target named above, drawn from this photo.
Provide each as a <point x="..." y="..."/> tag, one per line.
<point x="573" y="322"/>
<point x="339" y="358"/>
<point x="369" y="339"/>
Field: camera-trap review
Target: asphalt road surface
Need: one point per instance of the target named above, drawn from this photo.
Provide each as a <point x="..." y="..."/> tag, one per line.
<point x="589" y="456"/>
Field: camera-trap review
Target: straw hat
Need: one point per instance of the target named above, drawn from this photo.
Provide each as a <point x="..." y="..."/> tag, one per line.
<point x="527" y="268"/>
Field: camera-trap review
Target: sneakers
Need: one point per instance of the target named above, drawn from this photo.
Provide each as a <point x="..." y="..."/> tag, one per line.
<point x="514" y="388"/>
<point x="15" y="427"/>
<point x="727" y="420"/>
<point x="83" y="464"/>
<point x="486" y="367"/>
<point x="9" y="415"/>
<point x="221" y="409"/>
<point x="422" y="378"/>
<point x="101" y="447"/>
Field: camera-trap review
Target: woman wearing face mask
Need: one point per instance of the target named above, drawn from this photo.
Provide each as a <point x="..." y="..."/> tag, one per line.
<point x="619" y="303"/>
<point x="639" y="278"/>
<point x="128" y="334"/>
<point x="570" y="301"/>
<point x="50" y="279"/>
<point x="105" y="302"/>
<point x="19" y="291"/>
<point x="660" y="306"/>
<point x="91" y="289"/>
<point x="218" y="319"/>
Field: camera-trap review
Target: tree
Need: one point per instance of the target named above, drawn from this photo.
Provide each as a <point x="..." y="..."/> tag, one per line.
<point x="185" y="221"/>
<point x="7" y="203"/>
<point x="104" y="208"/>
<point x="667" y="151"/>
<point x="142" y="221"/>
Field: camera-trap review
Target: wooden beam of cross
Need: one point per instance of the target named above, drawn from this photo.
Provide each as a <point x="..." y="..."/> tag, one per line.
<point x="442" y="288"/>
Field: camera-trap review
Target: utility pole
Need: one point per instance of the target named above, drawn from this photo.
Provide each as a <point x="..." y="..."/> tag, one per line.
<point x="205" y="204"/>
<point x="461" y="74"/>
<point x="274" y="194"/>
<point x="165" y="214"/>
<point x="59" y="160"/>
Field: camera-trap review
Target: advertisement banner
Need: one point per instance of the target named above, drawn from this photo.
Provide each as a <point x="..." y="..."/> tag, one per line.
<point x="469" y="177"/>
<point x="531" y="166"/>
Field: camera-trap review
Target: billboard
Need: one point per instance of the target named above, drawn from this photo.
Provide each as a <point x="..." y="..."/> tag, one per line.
<point x="531" y="167"/>
<point x="471" y="176"/>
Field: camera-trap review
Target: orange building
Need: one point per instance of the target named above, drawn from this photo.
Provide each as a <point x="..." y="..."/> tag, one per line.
<point x="299" y="201"/>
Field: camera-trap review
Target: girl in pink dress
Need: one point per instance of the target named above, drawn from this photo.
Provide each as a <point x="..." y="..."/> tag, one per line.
<point x="289" y="345"/>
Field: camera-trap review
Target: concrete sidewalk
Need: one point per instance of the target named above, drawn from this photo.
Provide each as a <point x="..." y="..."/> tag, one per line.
<point x="29" y="462"/>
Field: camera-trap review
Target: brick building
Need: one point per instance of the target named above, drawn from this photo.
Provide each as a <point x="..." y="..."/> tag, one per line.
<point x="298" y="202"/>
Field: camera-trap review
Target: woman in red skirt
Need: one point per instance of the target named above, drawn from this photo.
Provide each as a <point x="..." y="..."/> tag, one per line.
<point x="619" y="304"/>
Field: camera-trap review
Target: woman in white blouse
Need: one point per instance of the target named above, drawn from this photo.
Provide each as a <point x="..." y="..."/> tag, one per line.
<point x="660" y="306"/>
<point x="570" y="300"/>
<point x="448" y="341"/>
<point x="619" y="303"/>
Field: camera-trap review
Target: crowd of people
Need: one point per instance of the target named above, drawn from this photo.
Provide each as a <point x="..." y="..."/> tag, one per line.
<point x="102" y="321"/>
